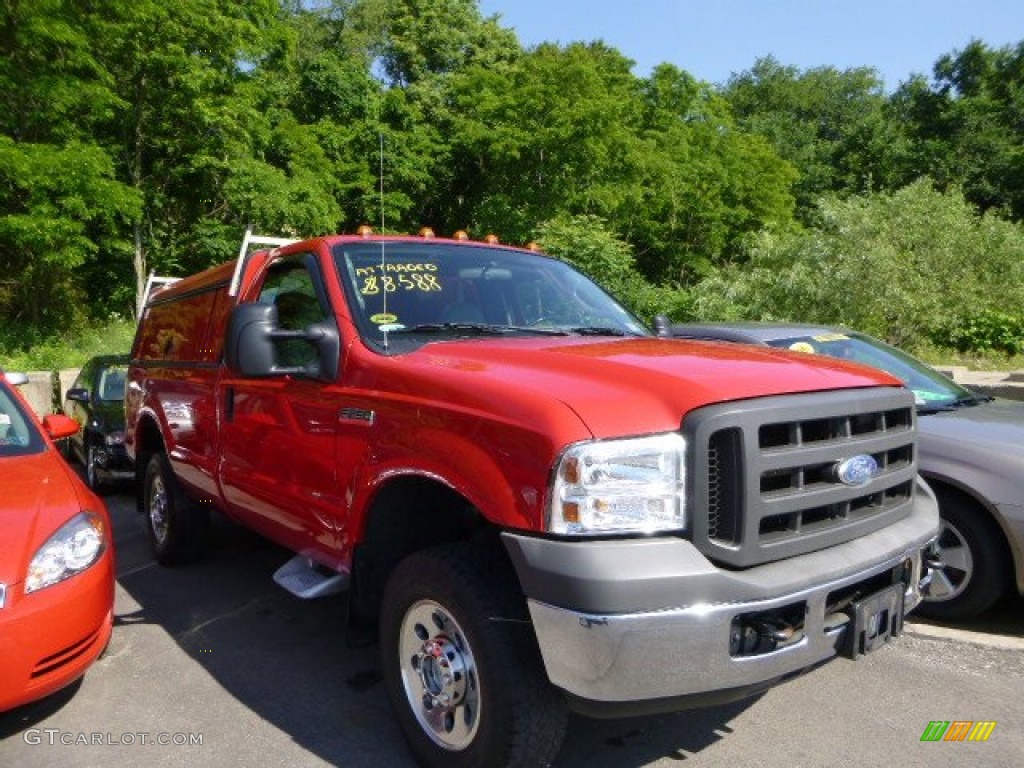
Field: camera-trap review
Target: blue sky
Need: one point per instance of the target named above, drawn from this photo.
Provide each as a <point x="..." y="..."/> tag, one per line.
<point x="712" y="39"/>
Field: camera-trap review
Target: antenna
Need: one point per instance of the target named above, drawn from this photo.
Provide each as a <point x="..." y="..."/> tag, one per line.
<point x="383" y="285"/>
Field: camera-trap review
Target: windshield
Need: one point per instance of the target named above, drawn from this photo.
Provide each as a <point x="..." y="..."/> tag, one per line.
<point x="111" y="383"/>
<point x="19" y="434"/>
<point x="931" y="389"/>
<point x="406" y="294"/>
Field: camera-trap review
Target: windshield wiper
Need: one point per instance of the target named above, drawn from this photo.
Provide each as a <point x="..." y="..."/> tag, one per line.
<point x="597" y="330"/>
<point x="973" y="399"/>
<point x="481" y="328"/>
<point x="449" y="327"/>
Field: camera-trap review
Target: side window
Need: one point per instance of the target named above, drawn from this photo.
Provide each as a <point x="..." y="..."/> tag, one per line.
<point x="289" y="286"/>
<point x="84" y="378"/>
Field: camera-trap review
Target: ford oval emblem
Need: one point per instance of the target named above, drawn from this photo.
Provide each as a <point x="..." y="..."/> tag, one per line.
<point x="857" y="470"/>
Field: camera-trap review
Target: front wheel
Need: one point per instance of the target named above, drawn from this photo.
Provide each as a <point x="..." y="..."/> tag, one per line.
<point x="178" y="527"/>
<point x="461" y="664"/>
<point x="976" y="569"/>
<point x="92" y="469"/>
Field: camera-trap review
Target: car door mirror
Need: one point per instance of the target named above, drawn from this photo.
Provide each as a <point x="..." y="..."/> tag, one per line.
<point x="251" y="347"/>
<point x="78" y="394"/>
<point x="58" y="426"/>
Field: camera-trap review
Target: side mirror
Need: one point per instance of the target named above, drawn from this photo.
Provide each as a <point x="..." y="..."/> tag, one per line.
<point x="662" y="326"/>
<point x="78" y="394"/>
<point x="58" y="426"/>
<point x="250" y="349"/>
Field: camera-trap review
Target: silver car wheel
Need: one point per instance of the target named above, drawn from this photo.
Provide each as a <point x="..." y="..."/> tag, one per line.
<point x="439" y="675"/>
<point x="958" y="565"/>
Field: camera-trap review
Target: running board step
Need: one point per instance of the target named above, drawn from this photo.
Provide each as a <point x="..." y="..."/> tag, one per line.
<point x="304" y="578"/>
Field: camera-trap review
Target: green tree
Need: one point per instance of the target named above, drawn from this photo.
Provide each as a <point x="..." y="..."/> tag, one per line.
<point x="831" y="124"/>
<point x="62" y="208"/>
<point x="554" y="133"/>
<point x="963" y="129"/>
<point x="904" y="266"/>
<point x="706" y="184"/>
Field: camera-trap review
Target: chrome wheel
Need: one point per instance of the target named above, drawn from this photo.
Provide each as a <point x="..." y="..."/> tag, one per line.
<point x="958" y="565"/>
<point x="439" y="675"/>
<point x="158" y="513"/>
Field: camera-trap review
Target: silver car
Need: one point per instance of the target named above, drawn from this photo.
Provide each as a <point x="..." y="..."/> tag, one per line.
<point x="971" y="453"/>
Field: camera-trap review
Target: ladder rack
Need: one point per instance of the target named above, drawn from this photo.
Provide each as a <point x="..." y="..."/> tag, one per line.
<point x="243" y="254"/>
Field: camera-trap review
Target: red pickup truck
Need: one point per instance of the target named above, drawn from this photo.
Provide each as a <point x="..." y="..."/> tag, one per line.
<point x="534" y="503"/>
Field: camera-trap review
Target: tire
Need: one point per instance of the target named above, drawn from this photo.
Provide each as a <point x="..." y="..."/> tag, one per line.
<point x="92" y="473"/>
<point x="976" y="571"/>
<point x="178" y="527"/>
<point x="468" y="688"/>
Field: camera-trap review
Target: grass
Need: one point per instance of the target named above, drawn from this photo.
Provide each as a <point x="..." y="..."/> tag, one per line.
<point x="70" y="350"/>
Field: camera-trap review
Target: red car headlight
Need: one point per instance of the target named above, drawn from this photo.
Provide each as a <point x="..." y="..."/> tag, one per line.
<point x="75" y="546"/>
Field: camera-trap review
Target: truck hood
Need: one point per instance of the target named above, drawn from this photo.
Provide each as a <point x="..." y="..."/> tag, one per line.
<point x="636" y="386"/>
<point x="38" y="498"/>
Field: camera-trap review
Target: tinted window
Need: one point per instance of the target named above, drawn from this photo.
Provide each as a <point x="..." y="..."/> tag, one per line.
<point x="19" y="434"/>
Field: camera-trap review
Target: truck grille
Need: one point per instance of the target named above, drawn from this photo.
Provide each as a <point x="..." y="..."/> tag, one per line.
<point x="763" y="473"/>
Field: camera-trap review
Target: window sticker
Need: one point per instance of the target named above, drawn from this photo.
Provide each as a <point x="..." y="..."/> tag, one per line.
<point x="5" y="419"/>
<point x="398" y="276"/>
<point x="802" y="346"/>
<point x="383" y="318"/>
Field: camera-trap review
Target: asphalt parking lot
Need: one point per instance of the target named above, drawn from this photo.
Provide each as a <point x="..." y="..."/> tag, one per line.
<point x="213" y="663"/>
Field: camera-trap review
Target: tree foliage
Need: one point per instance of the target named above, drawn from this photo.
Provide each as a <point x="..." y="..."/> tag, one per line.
<point x="906" y="266"/>
<point x="144" y="135"/>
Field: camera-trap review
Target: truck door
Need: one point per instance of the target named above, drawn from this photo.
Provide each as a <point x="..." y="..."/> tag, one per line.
<point x="278" y="471"/>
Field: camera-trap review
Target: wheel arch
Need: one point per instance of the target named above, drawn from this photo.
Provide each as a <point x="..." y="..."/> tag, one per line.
<point x="946" y="487"/>
<point x="406" y="514"/>
<point x="148" y="440"/>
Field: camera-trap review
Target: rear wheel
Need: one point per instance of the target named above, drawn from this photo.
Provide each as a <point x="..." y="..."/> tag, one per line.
<point x="178" y="527"/>
<point x="976" y="569"/>
<point x="461" y="664"/>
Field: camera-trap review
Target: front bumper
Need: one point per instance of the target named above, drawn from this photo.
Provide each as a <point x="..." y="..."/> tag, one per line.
<point x="49" y="638"/>
<point x="112" y="461"/>
<point x="642" y="625"/>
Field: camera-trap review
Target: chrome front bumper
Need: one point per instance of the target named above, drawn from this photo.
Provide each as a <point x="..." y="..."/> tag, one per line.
<point x="597" y="652"/>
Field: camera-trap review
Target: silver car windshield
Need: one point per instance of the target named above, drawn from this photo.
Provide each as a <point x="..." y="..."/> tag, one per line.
<point x="931" y="389"/>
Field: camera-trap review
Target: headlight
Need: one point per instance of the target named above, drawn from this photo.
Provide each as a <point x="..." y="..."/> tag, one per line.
<point x="619" y="486"/>
<point x="115" y="438"/>
<point x="74" y="547"/>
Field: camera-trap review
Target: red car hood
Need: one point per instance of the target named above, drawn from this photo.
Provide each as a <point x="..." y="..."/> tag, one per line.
<point x="639" y="385"/>
<point x="38" y="497"/>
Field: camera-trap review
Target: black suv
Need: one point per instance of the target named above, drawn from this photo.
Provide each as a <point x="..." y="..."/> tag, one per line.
<point x="96" y="402"/>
